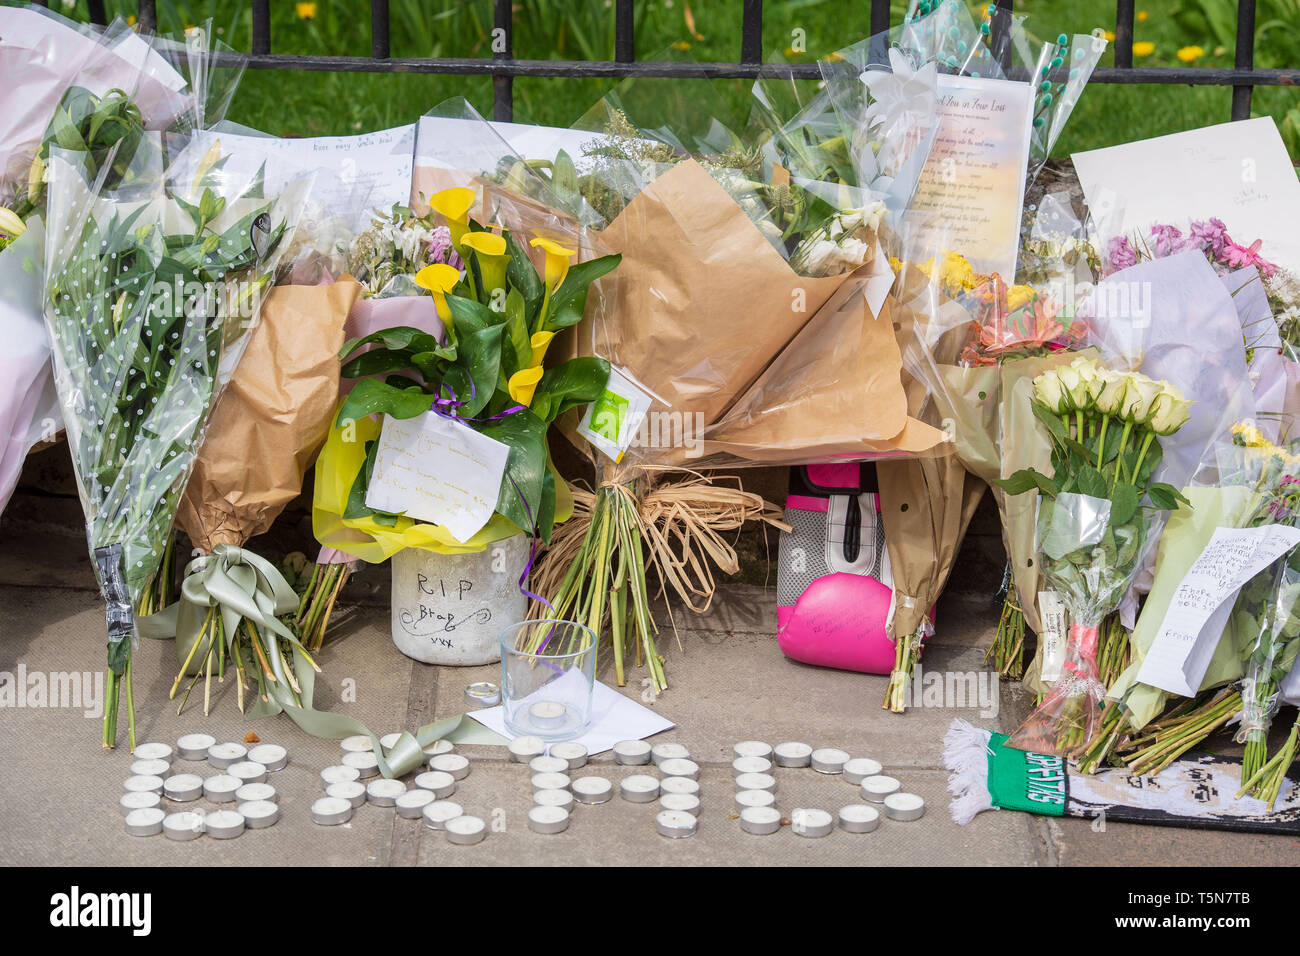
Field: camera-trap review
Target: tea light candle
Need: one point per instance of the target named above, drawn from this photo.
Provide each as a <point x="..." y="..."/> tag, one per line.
<point x="158" y="752"/>
<point x="338" y="774"/>
<point x="353" y="791"/>
<point x="259" y="814"/>
<point x="661" y="752"/>
<point x="411" y="803"/>
<point x="752" y="748"/>
<point x="547" y="714"/>
<point x="547" y="819"/>
<point x="271" y="756"/>
<point x="551" y="781"/>
<point x="756" y="781"/>
<point x="224" y="824"/>
<point x="183" y="787"/>
<point x="389" y="741"/>
<point x="248" y="771"/>
<point x="465" y="830"/>
<point x="482" y="694"/>
<point x="682" y="802"/>
<point x="366" y="764"/>
<point x="859" y="818"/>
<point x="440" y="784"/>
<point x="751" y="765"/>
<point x="331" y="811"/>
<point x="183" y="825"/>
<point x="680" y="767"/>
<point x="639" y="788"/>
<point x="145" y="821"/>
<point x="545" y="764"/>
<point x="592" y="790"/>
<point x="632" y="753"/>
<point x="439" y="747"/>
<point x="754" y="798"/>
<point x="878" y="787"/>
<point x="571" y="752"/>
<point x="904" y="807"/>
<point x="357" y="744"/>
<point x="194" y="746"/>
<point x="146" y="783"/>
<point x="524" y="749"/>
<point x="454" y="764"/>
<point x="222" y="756"/>
<point x="679" y="785"/>
<point x="792" y="754"/>
<point x="828" y="760"/>
<point x="860" y="768"/>
<point x="676" y="824"/>
<point x="221" y="788"/>
<point x="760" y="821"/>
<point x="256" y="793"/>
<point x="151" y="768"/>
<point x="383" y="792"/>
<point x="437" y="814"/>
<point x="553" y="798"/>
<point x="142" y="800"/>
<point x="811" y="823"/>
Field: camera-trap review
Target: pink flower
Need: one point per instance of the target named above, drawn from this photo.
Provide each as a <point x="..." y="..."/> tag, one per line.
<point x="1239" y="257"/>
<point x="1168" y="240"/>
<point x="441" y="250"/>
<point x="1122" y="254"/>
<point x="1212" y="235"/>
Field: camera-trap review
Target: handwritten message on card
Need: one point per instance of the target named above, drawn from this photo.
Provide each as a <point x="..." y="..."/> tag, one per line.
<point x="438" y="470"/>
<point x="972" y="185"/>
<point x="1200" y="608"/>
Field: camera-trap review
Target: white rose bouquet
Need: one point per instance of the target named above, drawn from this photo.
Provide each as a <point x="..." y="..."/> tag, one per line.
<point x="1105" y="428"/>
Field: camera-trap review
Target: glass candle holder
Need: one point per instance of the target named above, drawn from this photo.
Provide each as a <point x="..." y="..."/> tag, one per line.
<point x="548" y="668"/>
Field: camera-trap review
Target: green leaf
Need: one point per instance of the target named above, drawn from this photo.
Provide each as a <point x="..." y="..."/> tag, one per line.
<point x="377" y="362"/>
<point x="1123" y="504"/>
<point x="522" y="275"/>
<point x="469" y="316"/>
<point x="1089" y="481"/>
<point x="479" y="357"/>
<point x="525" y="433"/>
<point x="1166" y="497"/>
<point x="373" y="397"/>
<point x="1059" y="430"/>
<point x="518" y="351"/>
<point x="575" y="382"/>
<point x="400" y="337"/>
<point x="570" y="300"/>
<point x="1027" y="479"/>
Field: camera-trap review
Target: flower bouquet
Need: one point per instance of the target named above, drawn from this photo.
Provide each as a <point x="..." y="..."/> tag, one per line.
<point x="1105" y="430"/>
<point x="151" y="292"/>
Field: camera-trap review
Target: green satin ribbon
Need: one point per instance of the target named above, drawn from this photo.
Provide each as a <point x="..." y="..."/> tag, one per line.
<point x="243" y="586"/>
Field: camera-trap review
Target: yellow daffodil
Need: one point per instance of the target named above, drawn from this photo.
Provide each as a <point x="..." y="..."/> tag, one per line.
<point x="439" y="279"/>
<point x="1142" y="18"/>
<point x="305" y="11"/>
<point x="10" y="224"/>
<point x="523" y="384"/>
<point x="557" y="261"/>
<point x="1190" y="53"/>
<point x="1109" y="35"/>
<point x="454" y="205"/>
<point x="489" y="251"/>
<point x="1144" y="48"/>
<point x="540" y="342"/>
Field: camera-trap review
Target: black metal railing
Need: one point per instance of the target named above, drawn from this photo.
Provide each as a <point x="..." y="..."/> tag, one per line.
<point x="502" y="66"/>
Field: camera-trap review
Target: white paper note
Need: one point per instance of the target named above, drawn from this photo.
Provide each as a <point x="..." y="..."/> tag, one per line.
<point x="438" y="470"/>
<point x="612" y="421"/>
<point x="973" y="182"/>
<point x="1052" y="632"/>
<point x="1203" y="602"/>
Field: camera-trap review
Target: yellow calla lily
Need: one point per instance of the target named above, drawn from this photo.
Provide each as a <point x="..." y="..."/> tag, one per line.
<point x="523" y="384"/>
<point x="439" y="279"/>
<point x="454" y="205"/>
<point x="557" y="260"/>
<point x="10" y="224"/>
<point x="540" y="342"/>
<point x="490" y="252"/>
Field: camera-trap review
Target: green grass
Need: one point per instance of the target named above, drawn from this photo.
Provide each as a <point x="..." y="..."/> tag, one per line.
<point x="305" y="104"/>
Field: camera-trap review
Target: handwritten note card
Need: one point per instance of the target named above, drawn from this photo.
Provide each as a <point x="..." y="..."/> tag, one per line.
<point x="1200" y="608"/>
<point x="973" y="182"/>
<point x="437" y="470"/>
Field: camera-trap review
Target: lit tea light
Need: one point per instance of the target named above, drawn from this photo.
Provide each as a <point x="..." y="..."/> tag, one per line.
<point x="547" y="714"/>
<point x="756" y="781"/>
<point x="553" y="798"/>
<point x="338" y="774"/>
<point x="271" y="756"/>
<point x="859" y="818"/>
<point x="357" y="744"/>
<point x="222" y="756"/>
<point x="680" y="767"/>
<point x="439" y="812"/>
<point x="682" y="802"/>
<point x="811" y="823"/>
<point x="353" y="791"/>
<point x="440" y="784"/>
<point x="454" y="764"/>
<point x="592" y="790"/>
<point x="639" y="788"/>
<point x="147" y="783"/>
<point x="465" y="830"/>
<point x="256" y="793"/>
<point x="752" y="748"/>
<point x="545" y="764"/>
<point x="760" y="821"/>
<point x="248" y="771"/>
<point x="676" y="824"/>
<point x="224" y="824"/>
<point x="792" y="754"/>
<point x="366" y="764"/>
<point x="183" y="787"/>
<point x="551" y="781"/>
<point x="547" y="819"/>
<point x="151" y="768"/>
<point x="194" y="746"/>
<point x="632" y="753"/>
<point x="571" y="752"/>
<point x="860" y="768"/>
<point x="383" y="792"/>
<point x="524" y="749"/>
<point x="331" y="811"/>
<point x="878" y="787"/>
<point x="142" y="800"/>
<point x="754" y="798"/>
<point x="751" y="765"/>
<point x="666" y="751"/>
<point x="183" y="825"/>
<point x="153" y="751"/>
<point x="221" y="788"/>
<point x="828" y="760"/>
<point x="904" y="806"/>
<point x="145" y="821"/>
<point x="411" y="803"/>
<point x="259" y="814"/>
<point x="687" y="785"/>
